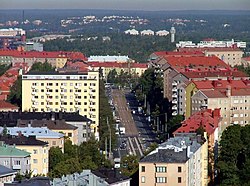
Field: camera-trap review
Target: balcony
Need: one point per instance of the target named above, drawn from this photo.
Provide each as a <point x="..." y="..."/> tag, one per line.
<point x="204" y="105"/>
<point x="48" y="93"/>
<point x="174" y="89"/>
<point x="16" y="167"/>
<point x="174" y="83"/>
<point x="33" y="86"/>
<point x="174" y="95"/>
<point x="174" y="107"/>
<point x="174" y="113"/>
<point x="62" y="93"/>
<point x="91" y="112"/>
<point x="77" y="87"/>
<point x="174" y="101"/>
<point x="48" y="87"/>
<point x="33" y="99"/>
<point x="33" y="93"/>
<point x="91" y="106"/>
<point x="77" y="93"/>
<point x="91" y="93"/>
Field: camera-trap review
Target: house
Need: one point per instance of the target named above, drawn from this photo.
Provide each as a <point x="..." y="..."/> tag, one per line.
<point x="6" y="175"/>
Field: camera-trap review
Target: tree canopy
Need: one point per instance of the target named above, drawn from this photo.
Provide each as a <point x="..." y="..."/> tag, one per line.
<point x="234" y="156"/>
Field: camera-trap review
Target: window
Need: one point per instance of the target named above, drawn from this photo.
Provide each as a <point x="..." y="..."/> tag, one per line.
<point x="69" y="134"/>
<point x="161" y="180"/>
<point x="35" y="161"/>
<point x="179" y="169"/>
<point x="143" y="180"/>
<point x="34" y="151"/>
<point x="17" y="162"/>
<point x="179" y="179"/>
<point x="161" y="169"/>
<point x="143" y="168"/>
<point x="53" y="142"/>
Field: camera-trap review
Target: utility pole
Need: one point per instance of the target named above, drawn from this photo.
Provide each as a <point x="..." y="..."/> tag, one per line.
<point x="106" y="148"/>
<point x="110" y="142"/>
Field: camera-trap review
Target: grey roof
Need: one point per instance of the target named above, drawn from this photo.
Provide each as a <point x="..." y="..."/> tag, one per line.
<point x="4" y="171"/>
<point x="175" y="150"/>
<point x="35" y="181"/>
<point x="10" y="119"/>
<point x="166" y="156"/>
<point x="22" y="140"/>
<point x="55" y="73"/>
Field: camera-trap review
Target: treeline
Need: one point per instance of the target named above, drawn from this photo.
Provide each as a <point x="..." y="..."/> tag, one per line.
<point x="136" y="47"/>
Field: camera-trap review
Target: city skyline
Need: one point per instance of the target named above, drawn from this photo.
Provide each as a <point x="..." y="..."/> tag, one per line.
<point x="129" y="5"/>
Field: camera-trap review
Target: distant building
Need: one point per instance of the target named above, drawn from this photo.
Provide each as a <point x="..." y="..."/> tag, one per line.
<point x="15" y="159"/>
<point x="8" y="37"/>
<point x="211" y="43"/>
<point x="147" y="33"/>
<point x="181" y="160"/>
<point x="32" y="46"/>
<point x="245" y="61"/>
<point x="38" y="150"/>
<point x="162" y="33"/>
<point x="119" y="59"/>
<point x="132" y="32"/>
<point x="7" y="175"/>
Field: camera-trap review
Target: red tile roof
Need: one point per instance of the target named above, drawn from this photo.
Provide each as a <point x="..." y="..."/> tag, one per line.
<point x="208" y="119"/>
<point x="215" y="93"/>
<point x="36" y="54"/>
<point x="195" y="62"/>
<point x="222" y="84"/>
<point x="7" y="105"/>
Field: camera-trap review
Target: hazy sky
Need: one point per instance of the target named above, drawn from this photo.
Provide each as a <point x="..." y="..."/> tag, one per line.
<point x="128" y="4"/>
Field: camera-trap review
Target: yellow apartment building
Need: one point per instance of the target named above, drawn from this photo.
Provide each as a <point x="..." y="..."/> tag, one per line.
<point x="66" y="92"/>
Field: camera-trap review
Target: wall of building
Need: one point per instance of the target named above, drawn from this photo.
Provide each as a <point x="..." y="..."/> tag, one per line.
<point x="60" y="94"/>
<point x="21" y="164"/>
<point x="171" y="175"/>
<point x="71" y="134"/>
<point x="39" y="158"/>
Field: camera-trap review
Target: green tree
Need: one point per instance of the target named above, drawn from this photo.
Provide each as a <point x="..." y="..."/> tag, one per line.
<point x="55" y="156"/>
<point x="15" y="96"/>
<point x="129" y="165"/>
<point x="42" y="67"/>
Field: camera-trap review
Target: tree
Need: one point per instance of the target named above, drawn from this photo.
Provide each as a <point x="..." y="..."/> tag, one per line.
<point x="129" y="165"/>
<point x="15" y="96"/>
<point x="55" y="156"/>
<point x="42" y="67"/>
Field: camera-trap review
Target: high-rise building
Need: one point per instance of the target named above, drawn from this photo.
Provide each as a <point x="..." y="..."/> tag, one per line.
<point x="66" y="92"/>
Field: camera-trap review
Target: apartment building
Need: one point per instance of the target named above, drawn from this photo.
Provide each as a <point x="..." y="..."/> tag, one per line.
<point x="208" y="120"/>
<point x="231" y="96"/>
<point x="56" y="59"/>
<point x="54" y="139"/>
<point x="66" y="92"/>
<point x="181" y="160"/>
<point x="230" y="55"/>
<point x="74" y="126"/>
<point x="15" y="159"/>
<point x="39" y="151"/>
<point x="135" y="69"/>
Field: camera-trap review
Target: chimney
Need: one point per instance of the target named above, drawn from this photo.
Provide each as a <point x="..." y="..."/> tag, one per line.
<point x="188" y="152"/>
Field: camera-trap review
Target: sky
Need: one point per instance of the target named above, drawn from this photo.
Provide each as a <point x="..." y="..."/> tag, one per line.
<point x="154" y="5"/>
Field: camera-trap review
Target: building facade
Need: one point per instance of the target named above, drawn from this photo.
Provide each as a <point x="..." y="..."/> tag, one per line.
<point x="66" y="92"/>
<point x="39" y="151"/>
<point x="181" y="160"/>
<point x="14" y="158"/>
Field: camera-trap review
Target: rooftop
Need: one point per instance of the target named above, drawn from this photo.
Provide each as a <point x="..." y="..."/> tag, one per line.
<point x="11" y="119"/>
<point x="207" y="119"/>
<point x="4" y="171"/>
<point x="22" y="140"/>
<point x="42" y="132"/>
<point x="7" y="105"/>
<point x="10" y="151"/>
<point x="175" y="150"/>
